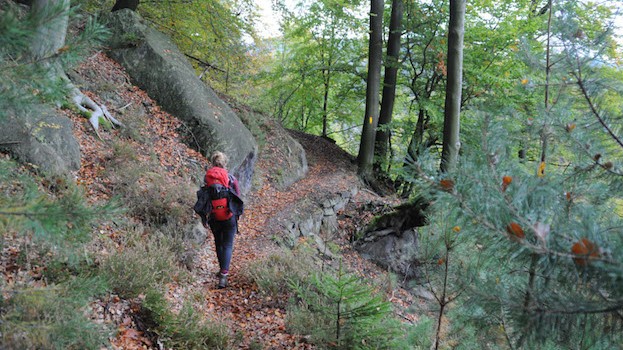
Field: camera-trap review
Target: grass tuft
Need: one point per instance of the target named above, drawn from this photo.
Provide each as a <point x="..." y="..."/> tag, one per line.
<point x="51" y="318"/>
<point x="143" y="263"/>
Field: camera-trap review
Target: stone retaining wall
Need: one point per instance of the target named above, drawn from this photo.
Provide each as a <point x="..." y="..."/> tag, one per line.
<point x="316" y="220"/>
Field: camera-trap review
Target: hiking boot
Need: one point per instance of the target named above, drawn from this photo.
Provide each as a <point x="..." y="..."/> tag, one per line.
<point x="222" y="281"/>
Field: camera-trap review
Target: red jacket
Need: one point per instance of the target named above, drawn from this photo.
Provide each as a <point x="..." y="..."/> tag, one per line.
<point x="221" y="176"/>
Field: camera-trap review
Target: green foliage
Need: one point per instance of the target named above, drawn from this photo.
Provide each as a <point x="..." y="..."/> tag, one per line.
<point x="184" y="330"/>
<point x="535" y="283"/>
<point x="537" y="261"/>
<point x="313" y="77"/>
<point x="278" y="270"/>
<point x="35" y="315"/>
<point x="47" y="317"/>
<point x="146" y="194"/>
<point x="419" y="334"/>
<point x="341" y="312"/>
<point x="335" y="311"/>
<point x="62" y="219"/>
<point x="144" y="263"/>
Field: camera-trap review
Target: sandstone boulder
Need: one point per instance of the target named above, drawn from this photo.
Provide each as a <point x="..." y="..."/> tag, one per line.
<point x="157" y="66"/>
<point x="42" y="138"/>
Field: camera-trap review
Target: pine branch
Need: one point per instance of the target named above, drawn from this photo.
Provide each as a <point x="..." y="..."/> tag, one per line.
<point x="611" y="309"/>
<point x="593" y="109"/>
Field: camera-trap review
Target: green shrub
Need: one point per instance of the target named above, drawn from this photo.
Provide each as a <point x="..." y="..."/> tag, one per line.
<point x="61" y="217"/>
<point x="123" y="153"/>
<point x="341" y="312"/>
<point x="186" y="241"/>
<point x="134" y="120"/>
<point x="279" y="270"/>
<point x="51" y="317"/>
<point x="185" y="330"/>
<point x="148" y="195"/>
<point x="143" y="264"/>
<point x="419" y="335"/>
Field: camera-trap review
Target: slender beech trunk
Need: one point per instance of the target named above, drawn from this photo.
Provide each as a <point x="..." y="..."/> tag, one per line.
<point x="327" y="72"/>
<point x="325" y="101"/>
<point x="375" y="49"/>
<point x="389" y="85"/>
<point x="548" y="68"/>
<point x="451" y="124"/>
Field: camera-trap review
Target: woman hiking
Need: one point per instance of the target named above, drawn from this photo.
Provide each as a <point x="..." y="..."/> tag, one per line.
<point x="225" y="208"/>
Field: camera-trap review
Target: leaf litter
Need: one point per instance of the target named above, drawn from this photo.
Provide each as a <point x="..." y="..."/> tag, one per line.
<point x="258" y="318"/>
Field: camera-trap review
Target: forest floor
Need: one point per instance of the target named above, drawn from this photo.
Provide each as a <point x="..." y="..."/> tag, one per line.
<point x="254" y="317"/>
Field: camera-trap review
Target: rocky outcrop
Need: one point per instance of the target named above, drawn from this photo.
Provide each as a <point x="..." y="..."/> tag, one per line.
<point x="315" y="220"/>
<point x="394" y="250"/>
<point x="287" y="157"/>
<point x="157" y="66"/>
<point x="391" y="240"/>
<point x="42" y="138"/>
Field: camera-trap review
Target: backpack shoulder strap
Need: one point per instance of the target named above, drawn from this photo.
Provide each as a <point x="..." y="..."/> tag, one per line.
<point x="233" y="184"/>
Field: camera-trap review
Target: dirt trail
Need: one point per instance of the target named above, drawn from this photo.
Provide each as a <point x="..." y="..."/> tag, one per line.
<point x="256" y="318"/>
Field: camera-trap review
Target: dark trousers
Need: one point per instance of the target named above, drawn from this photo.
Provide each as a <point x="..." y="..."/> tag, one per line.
<point x="224" y="232"/>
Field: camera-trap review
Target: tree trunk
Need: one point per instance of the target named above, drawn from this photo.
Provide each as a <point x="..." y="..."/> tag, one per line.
<point x="389" y="85"/>
<point x="326" y="73"/>
<point x="53" y="21"/>
<point x="375" y="49"/>
<point x="125" y="4"/>
<point x="451" y="124"/>
<point x="53" y="18"/>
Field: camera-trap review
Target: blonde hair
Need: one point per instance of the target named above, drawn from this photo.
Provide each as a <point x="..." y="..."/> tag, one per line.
<point x="219" y="159"/>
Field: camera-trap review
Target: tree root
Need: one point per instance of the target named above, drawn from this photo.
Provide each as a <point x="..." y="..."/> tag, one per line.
<point x="86" y="105"/>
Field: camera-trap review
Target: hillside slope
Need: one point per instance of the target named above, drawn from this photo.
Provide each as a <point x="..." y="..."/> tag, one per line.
<point x="157" y="175"/>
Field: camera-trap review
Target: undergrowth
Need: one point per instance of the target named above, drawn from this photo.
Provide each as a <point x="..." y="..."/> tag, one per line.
<point x="142" y="263"/>
<point x="56" y="265"/>
<point x="52" y="316"/>
<point x="330" y="307"/>
<point x="147" y="194"/>
<point x="183" y="330"/>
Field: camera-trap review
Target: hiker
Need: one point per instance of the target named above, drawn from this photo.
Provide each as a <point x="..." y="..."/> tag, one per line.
<point x="223" y="209"/>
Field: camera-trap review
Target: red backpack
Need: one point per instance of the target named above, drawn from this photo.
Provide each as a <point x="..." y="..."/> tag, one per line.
<point x="218" y="183"/>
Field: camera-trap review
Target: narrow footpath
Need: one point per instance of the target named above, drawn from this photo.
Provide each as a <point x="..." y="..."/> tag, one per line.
<point x="253" y="317"/>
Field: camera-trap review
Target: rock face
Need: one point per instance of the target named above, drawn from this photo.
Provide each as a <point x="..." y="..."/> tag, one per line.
<point x="157" y="66"/>
<point x="316" y="221"/>
<point x="392" y="240"/>
<point x="42" y="138"/>
<point x="393" y="250"/>
<point x="287" y="157"/>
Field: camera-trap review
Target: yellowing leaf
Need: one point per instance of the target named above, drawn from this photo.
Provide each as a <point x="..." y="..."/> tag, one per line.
<point x="541" y="171"/>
